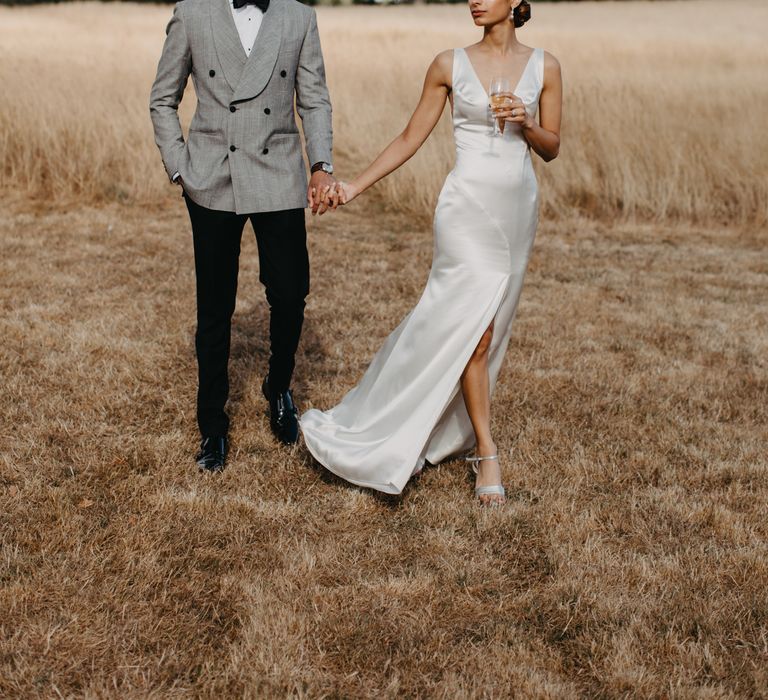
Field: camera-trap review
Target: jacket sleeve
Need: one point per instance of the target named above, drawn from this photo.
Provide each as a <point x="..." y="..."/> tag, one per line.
<point x="312" y="100"/>
<point x="172" y="74"/>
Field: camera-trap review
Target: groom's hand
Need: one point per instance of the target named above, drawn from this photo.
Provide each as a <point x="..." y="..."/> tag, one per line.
<point x="320" y="184"/>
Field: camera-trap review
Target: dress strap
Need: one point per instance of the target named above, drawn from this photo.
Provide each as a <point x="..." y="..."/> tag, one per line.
<point x="539" y="60"/>
<point x="457" y="66"/>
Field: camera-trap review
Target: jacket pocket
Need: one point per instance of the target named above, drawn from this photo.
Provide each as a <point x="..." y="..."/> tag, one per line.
<point x="285" y="145"/>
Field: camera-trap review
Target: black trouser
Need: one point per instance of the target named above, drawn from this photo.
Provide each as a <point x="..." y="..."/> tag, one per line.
<point x="284" y="271"/>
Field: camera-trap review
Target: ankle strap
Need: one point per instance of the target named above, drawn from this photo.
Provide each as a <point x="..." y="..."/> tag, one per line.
<point x="481" y="459"/>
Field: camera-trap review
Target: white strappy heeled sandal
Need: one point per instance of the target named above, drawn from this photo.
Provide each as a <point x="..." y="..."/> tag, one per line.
<point x="495" y="489"/>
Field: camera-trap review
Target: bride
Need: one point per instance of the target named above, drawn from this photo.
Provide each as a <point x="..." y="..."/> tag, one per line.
<point x="427" y="393"/>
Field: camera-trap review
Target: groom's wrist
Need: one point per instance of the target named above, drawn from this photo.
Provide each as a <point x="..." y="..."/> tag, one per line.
<point x="321" y="165"/>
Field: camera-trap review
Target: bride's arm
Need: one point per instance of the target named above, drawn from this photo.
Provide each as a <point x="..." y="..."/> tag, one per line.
<point x="544" y="135"/>
<point x="437" y="85"/>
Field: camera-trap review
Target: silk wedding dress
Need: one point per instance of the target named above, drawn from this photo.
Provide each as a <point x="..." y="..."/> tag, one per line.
<point x="408" y="407"/>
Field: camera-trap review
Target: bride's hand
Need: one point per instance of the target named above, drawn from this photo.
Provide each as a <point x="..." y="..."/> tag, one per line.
<point x="342" y="193"/>
<point x="348" y="192"/>
<point x="515" y="113"/>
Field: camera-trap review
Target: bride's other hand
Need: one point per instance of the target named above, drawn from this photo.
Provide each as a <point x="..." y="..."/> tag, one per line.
<point x="516" y="113"/>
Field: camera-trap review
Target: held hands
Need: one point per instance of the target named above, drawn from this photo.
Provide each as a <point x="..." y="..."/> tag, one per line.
<point x="320" y="184"/>
<point x="330" y="197"/>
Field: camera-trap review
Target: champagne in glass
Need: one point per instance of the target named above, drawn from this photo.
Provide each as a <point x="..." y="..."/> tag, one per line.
<point x="500" y="93"/>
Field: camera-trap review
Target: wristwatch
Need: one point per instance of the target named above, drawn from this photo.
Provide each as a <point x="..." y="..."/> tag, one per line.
<point x="321" y="165"/>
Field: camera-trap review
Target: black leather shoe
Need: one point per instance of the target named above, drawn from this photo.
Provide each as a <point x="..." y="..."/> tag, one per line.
<point x="213" y="453"/>
<point x="283" y="416"/>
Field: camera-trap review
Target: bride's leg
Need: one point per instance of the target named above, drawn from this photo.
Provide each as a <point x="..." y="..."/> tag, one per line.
<point x="475" y="387"/>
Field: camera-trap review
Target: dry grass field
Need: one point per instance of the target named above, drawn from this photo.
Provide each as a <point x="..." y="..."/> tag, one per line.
<point x="632" y="558"/>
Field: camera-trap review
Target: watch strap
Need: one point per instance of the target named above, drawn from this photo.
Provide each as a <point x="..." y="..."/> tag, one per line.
<point x="319" y="166"/>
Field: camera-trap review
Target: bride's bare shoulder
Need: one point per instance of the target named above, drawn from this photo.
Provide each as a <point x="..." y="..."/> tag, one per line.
<point x="442" y="66"/>
<point x="550" y="62"/>
<point x="444" y="59"/>
<point x="552" y="72"/>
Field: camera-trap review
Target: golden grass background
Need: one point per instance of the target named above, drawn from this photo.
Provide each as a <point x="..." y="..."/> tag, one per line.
<point x="631" y="559"/>
<point x="665" y="102"/>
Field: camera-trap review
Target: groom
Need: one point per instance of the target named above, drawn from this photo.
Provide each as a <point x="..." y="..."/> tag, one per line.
<point x="243" y="160"/>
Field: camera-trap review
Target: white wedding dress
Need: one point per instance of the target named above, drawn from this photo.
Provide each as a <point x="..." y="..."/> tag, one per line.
<point x="408" y="407"/>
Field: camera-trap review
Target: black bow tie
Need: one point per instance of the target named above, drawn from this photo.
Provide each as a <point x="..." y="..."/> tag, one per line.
<point x="261" y="4"/>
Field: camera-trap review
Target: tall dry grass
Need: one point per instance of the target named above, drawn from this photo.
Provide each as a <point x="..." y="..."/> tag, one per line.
<point x="665" y="103"/>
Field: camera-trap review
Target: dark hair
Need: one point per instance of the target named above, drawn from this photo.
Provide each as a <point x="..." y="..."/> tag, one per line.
<point x="522" y="13"/>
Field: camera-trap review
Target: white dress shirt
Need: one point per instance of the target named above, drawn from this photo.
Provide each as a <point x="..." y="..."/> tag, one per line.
<point x="247" y="20"/>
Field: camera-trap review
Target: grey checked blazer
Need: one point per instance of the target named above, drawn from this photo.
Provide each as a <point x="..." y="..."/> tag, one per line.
<point x="243" y="153"/>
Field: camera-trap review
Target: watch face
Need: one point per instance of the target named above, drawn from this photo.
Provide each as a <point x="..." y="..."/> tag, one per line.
<point x="327" y="167"/>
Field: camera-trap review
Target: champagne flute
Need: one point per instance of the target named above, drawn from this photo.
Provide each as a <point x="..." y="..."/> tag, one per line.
<point x="500" y="93"/>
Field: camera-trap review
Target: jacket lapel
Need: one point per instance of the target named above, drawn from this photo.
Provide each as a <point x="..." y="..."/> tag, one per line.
<point x="227" y="42"/>
<point x="260" y="64"/>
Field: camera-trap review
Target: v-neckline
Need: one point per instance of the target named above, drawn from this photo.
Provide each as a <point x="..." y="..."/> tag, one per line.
<point x="480" y="82"/>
